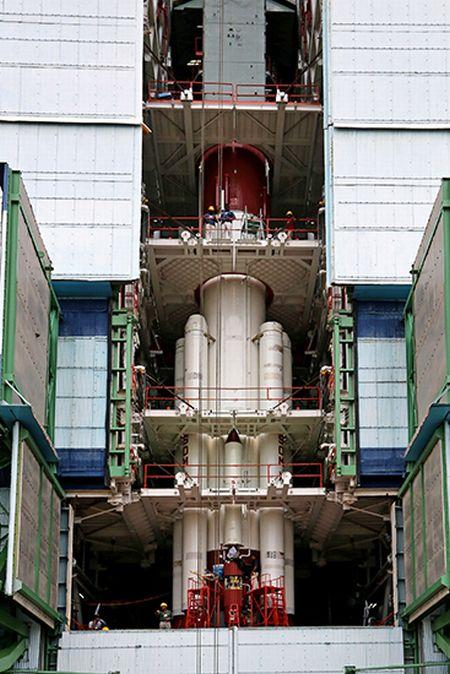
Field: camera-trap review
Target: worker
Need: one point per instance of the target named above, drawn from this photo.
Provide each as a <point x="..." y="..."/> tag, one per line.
<point x="290" y="223"/>
<point x="226" y="218"/>
<point x="97" y="623"/>
<point x="164" y="615"/>
<point x="210" y="221"/>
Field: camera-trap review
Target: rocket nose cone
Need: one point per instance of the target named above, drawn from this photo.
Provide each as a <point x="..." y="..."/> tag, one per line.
<point x="233" y="436"/>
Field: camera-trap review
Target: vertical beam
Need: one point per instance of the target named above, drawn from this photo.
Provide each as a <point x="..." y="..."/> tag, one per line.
<point x="189" y="140"/>
<point x="10" y="315"/>
<point x="279" y="134"/>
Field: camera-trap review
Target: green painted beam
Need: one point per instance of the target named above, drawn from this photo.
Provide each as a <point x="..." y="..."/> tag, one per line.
<point x="441" y="621"/>
<point x="10" y="313"/>
<point x="10" y="654"/>
<point x="12" y="624"/>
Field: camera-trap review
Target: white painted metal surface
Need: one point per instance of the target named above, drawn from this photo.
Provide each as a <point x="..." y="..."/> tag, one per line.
<point x="196" y="360"/>
<point x="387" y="132"/>
<point x="177" y="568"/>
<point x="384" y="185"/>
<point x="291" y="650"/>
<point x="271" y="378"/>
<point x="194" y="547"/>
<point x="84" y="182"/>
<point x="287" y="369"/>
<point x="383" y="414"/>
<point x="289" y="568"/>
<point x="179" y="371"/>
<point x="81" y="392"/>
<point x="271" y="536"/>
<point x="388" y="62"/>
<point x="234" y="307"/>
<point x="71" y="60"/>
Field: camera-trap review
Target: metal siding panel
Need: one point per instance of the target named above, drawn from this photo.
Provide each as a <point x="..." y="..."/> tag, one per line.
<point x="429" y="325"/>
<point x="388" y="65"/>
<point x="382" y="405"/>
<point x="81" y="398"/>
<point x="85" y="184"/>
<point x="32" y="321"/>
<point x="259" y="651"/>
<point x="434" y="515"/>
<point x="384" y="184"/>
<point x="71" y="60"/>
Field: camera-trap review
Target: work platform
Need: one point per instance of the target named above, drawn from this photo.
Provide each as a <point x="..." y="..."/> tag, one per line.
<point x="186" y="119"/>
<point x="178" y="266"/>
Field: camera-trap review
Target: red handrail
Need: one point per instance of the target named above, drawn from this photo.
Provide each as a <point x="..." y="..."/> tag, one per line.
<point x="197" y="471"/>
<point x="296" y="228"/>
<point x="227" y="92"/>
<point x="257" y="394"/>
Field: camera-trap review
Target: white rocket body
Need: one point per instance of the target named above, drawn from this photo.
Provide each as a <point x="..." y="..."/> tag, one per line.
<point x="232" y="359"/>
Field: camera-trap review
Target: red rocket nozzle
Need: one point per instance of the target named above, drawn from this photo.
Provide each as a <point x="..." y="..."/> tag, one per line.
<point x="233" y="436"/>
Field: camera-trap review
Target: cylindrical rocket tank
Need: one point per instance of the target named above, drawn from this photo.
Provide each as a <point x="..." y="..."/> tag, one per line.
<point x="270" y="364"/>
<point x="233" y="454"/>
<point x="271" y="537"/>
<point x="289" y="565"/>
<point x="214" y="537"/>
<point x="242" y="176"/>
<point x="251" y="471"/>
<point x="232" y="524"/>
<point x="179" y="372"/>
<point x="195" y="456"/>
<point x="194" y="547"/>
<point x="270" y="447"/>
<point x="177" y="568"/>
<point x="196" y="361"/>
<point x="287" y="369"/>
<point x="234" y="307"/>
<point x="250" y="530"/>
<point x="215" y="462"/>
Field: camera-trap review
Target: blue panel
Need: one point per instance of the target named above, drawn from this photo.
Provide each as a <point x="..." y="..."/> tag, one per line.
<point x="98" y="289"/>
<point x="380" y="319"/>
<point x="381" y="461"/>
<point x="23" y="413"/>
<point x="84" y="318"/>
<point x="383" y="291"/>
<point x="82" y="462"/>
<point x="4" y="180"/>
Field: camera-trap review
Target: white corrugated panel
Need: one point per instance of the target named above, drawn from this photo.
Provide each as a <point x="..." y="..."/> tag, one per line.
<point x="81" y="392"/>
<point x="247" y="651"/>
<point x="390" y="61"/>
<point x="383" y="187"/>
<point x="386" y="67"/>
<point x="382" y="405"/>
<point x="71" y="59"/>
<point x="84" y="182"/>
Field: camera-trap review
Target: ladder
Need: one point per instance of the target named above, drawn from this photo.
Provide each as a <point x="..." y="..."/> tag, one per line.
<point x="344" y="393"/>
<point x="121" y="459"/>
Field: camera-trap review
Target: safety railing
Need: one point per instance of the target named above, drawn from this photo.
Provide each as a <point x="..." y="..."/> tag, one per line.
<point x="294" y="228"/>
<point x="305" y="474"/>
<point x="226" y="92"/>
<point x="277" y="93"/>
<point x="179" y="90"/>
<point x="172" y="227"/>
<point x="244" y="399"/>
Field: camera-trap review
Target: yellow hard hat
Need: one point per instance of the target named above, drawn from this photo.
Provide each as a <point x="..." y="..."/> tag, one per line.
<point x="163" y="605"/>
<point x="211" y="208"/>
<point x="105" y="629"/>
